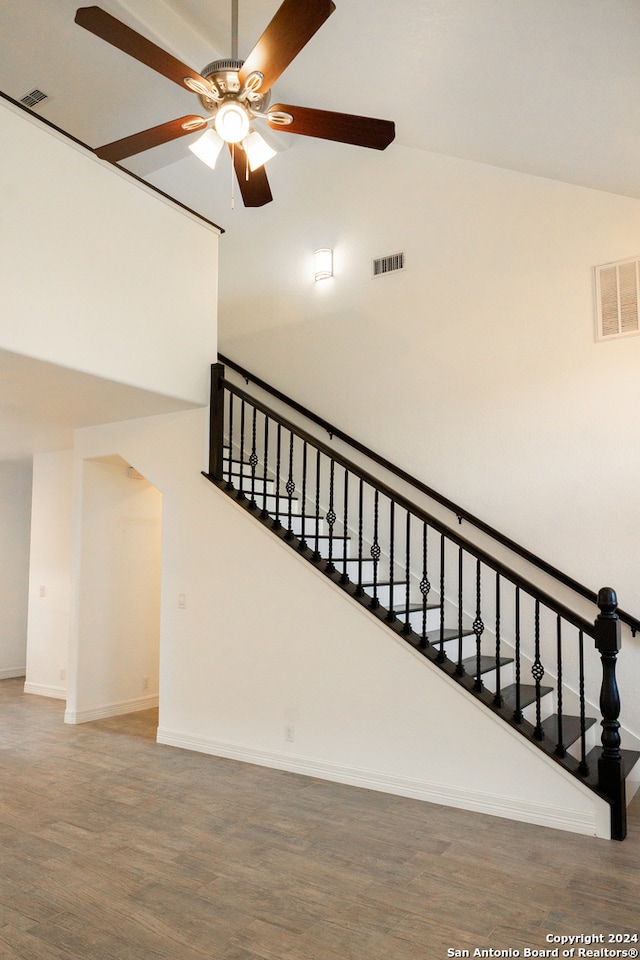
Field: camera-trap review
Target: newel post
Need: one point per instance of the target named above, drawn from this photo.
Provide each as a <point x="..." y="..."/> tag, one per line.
<point x="216" y="421"/>
<point x="610" y="770"/>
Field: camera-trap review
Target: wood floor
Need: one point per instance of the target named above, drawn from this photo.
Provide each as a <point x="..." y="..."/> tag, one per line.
<point x="112" y="846"/>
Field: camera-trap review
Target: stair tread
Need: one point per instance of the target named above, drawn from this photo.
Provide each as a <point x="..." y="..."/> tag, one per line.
<point x="487" y="664"/>
<point x="449" y="633"/>
<point x="527" y="694"/>
<point x="570" y="727"/>
<point x="629" y="759"/>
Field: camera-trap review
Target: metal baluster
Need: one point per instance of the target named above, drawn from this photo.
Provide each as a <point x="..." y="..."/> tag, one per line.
<point x="441" y="654"/>
<point x="229" y="483"/>
<point x="407" y="570"/>
<point x="316" y="552"/>
<point x="290" y="488"/>
<point x="253" y="460"/>
<point x="345" y="528"/>
<point x="265" y="513"/>
<point x="478" y="628"/>
<point x="459" y="666"/>
<point x="303" y="508"/>
<point x="375" y="552"/>
<point x="560" y="748"/>
<point x="584" y="766"/>
<point x="497" y="699"/>
<point x="425" y="586"/>
<point x="517" y="713"/>
<point x="276" y="520"/>
<point x="241" y="493"/>
<point x="360" y="588"/>
<point x="331" y="516"/>
<point x="538" y="672"/>
<point x="392" y="537"/>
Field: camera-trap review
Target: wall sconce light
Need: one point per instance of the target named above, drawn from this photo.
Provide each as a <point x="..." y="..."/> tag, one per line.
<point x="324" y="263"/>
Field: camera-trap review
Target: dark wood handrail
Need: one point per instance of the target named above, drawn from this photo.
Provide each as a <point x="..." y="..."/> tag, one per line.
<point x="459" y="512"/>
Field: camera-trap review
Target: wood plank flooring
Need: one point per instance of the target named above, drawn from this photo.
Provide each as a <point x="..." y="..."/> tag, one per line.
<point x="112" y="846"/>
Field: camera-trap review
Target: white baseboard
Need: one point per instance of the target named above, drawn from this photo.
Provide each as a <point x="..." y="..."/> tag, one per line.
<point x="111" y="710"/>
<point x="43" y="690"/>
<point x="466" y="799"/>
<point x="11" y="673"/>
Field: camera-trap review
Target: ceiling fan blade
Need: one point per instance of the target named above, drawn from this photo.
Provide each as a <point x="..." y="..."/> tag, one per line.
<point x="343" y="127"/>
<point x="118" y="34"/>
<point x="253" y="184"/>
<point x="293" y="25"/>
<point x="147" y="139"/>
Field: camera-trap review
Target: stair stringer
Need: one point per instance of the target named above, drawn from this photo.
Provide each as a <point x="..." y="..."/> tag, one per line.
<point x="291" y="648"/>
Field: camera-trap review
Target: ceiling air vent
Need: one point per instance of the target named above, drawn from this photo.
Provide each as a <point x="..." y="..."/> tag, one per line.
<point x="384" y="265"/>
<point x="33" y="98"/>
<point x="617" y="299"/>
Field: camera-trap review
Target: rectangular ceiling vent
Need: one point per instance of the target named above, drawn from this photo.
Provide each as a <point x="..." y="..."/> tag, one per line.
<point x="385" y="265"/>
<point x="33" y="98"/>
<point x="617" y="299"/>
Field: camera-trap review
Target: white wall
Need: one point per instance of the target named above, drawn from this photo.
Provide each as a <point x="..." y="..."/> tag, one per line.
<point x="50" y="574"/>
<point x="98" y="273"/>
<point x="264" y="641"/>
<point x="15" y="522"/>
<point x="116" y="614"/>
<point x="476" y="369"/>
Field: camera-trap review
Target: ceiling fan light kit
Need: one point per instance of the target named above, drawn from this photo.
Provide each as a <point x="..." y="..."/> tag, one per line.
<point x="235" y="93"/>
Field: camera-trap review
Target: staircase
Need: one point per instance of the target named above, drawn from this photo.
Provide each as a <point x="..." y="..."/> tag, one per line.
<point x="512" y="646"/>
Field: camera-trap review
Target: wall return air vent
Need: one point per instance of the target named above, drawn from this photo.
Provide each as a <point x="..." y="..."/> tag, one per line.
<point x="385" y="265"/>
<point x="617" y="294"/>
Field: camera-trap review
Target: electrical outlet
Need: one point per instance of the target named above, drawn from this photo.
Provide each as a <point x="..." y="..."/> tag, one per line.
<point x="145" y="683"/>
<point x="290" y="732"/>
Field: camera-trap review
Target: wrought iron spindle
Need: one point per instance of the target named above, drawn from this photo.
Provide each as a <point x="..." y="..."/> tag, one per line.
<point x="560" y="748"/>
<point x="241" y="493"/>
<point x="303" y="502"/>
<point x="478" y="628"/>
<point x="265" y="473"/>
<point x="375" y="550"/>
<point x="253" y="459"/>
<point x="360" y="588"/>
<point x="331" y="516"/>
<point x="276" y="520"/>
<point x="407" y="572"/>
<point x="316" y="552"/>
<point x="584" y="766"/>
<point x="229" y="483"/>
<point x="441" y="654"/>
<point x="345" y="528"/>
<point x="497" y="699"/>
<point x="290" y="489"/>
<point x="517" y="712"/>
<point x="425" y="586"/>
<point x="392" y="543"/>
<point x="538" y="673"/>
<point x="459" y="665"/>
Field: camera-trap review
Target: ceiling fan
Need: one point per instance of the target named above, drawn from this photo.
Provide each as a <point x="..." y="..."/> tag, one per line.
<point x="235" y="93"/>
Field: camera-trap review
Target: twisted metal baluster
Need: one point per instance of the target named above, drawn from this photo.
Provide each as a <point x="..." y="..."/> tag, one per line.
<point x="276" y="522"/>
<point x="331" y="516"/>
<point x="264" y="513"/>
<point x="538" y="673"/>
<point x="441" y="654"/>
<point x="360" y="588"/>
<point x="316" y="552"/>
<point x="375" y="552"/>
<point x="584" y="766"/>
<point x="303" y="509"/>
<point x="241" y="493"/>
<point x="459" y="665"/>
<point x="290" y="488"/>
<point x="425" y="586"/>
<point x="229" y="483"/>
<point x="478" y="629"/>
<point x="253" y="460"/>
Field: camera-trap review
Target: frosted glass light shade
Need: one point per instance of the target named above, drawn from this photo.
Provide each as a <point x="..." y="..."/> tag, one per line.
<point x="324" y="263"/>
<point x="258" y="150"/>
<point x="207" y="147"/>
<point x="232" y="122"/>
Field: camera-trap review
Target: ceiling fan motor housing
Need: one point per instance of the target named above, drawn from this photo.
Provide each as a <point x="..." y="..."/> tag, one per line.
<point x="224" y="75"/>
